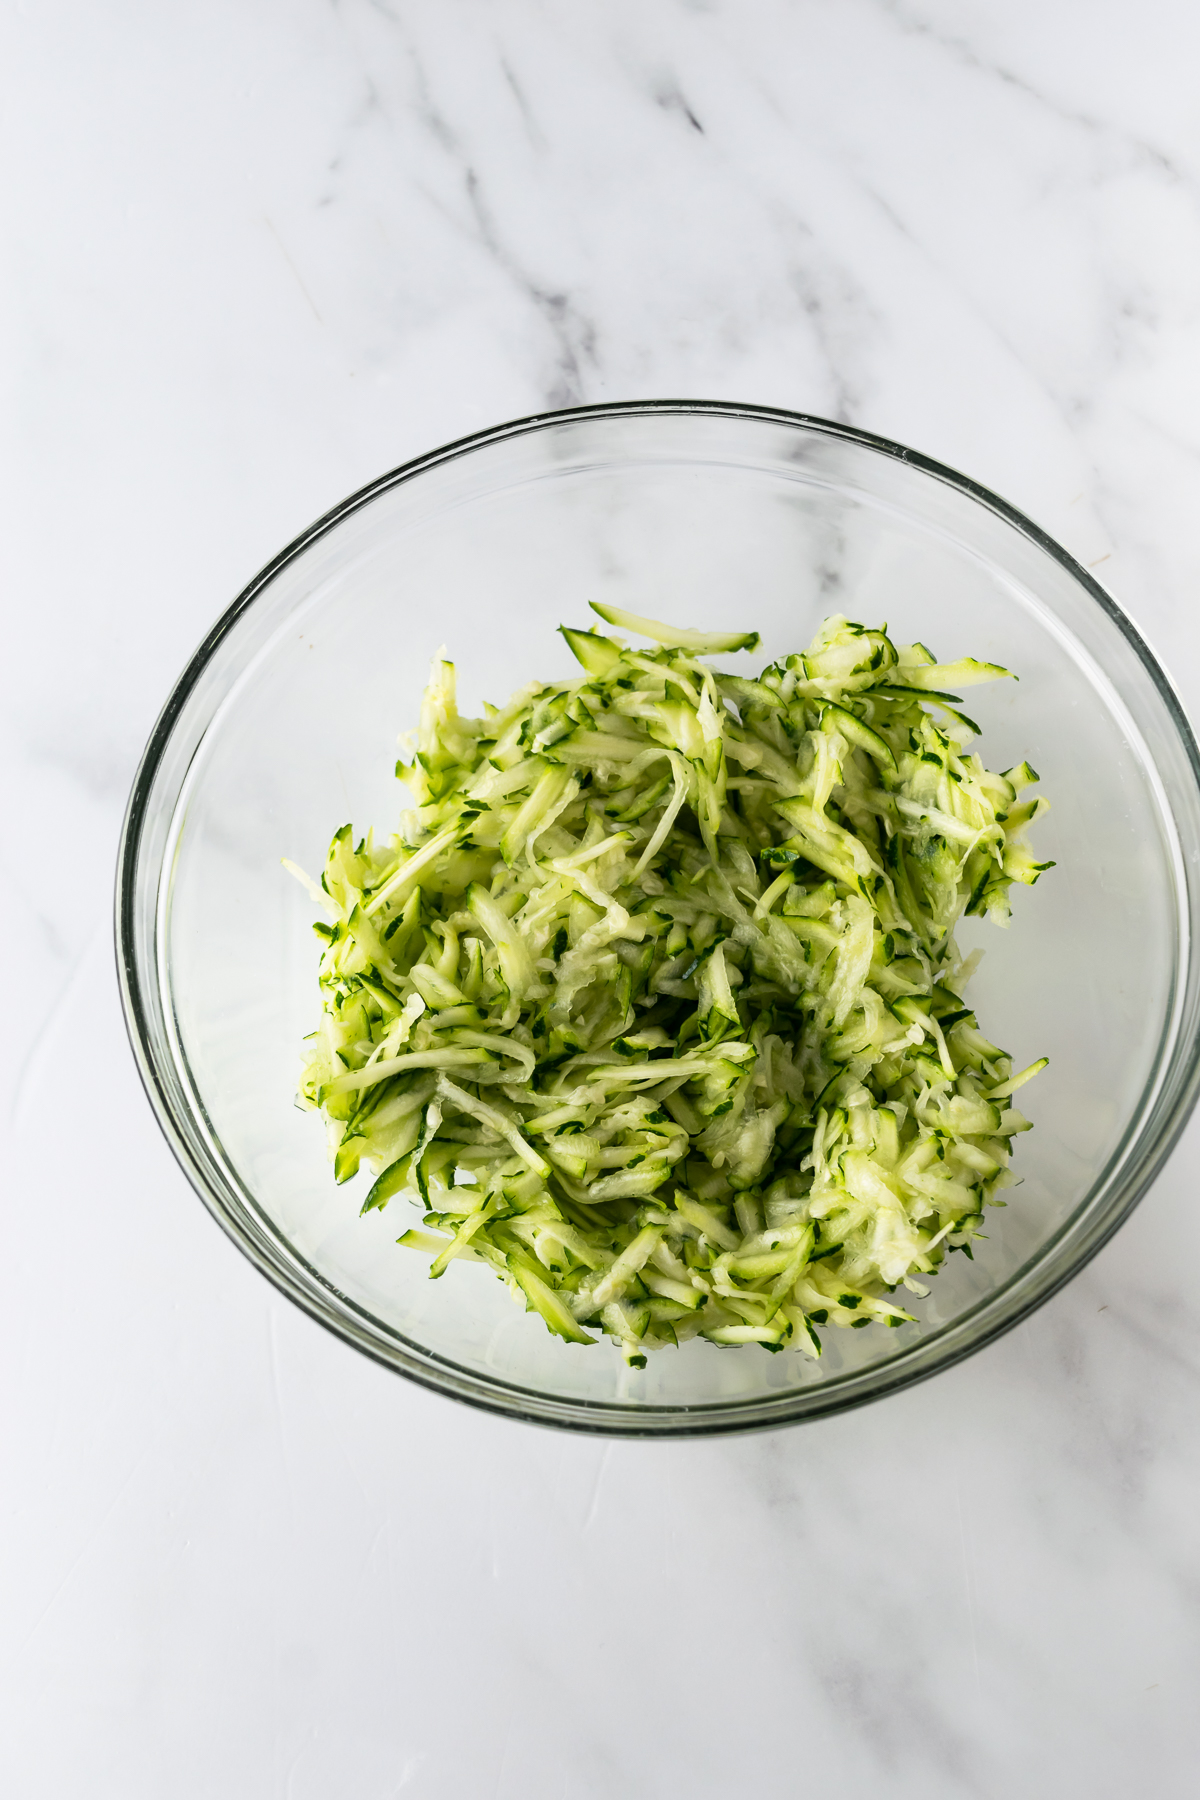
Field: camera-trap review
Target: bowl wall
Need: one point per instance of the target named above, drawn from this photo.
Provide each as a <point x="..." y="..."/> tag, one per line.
<point x="285" y="726"/>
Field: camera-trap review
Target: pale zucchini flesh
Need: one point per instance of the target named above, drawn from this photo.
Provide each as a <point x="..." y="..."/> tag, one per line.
<point x="654" y="1003"/>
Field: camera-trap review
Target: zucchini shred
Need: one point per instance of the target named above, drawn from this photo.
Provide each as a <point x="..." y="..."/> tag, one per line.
<point x="654" y="1003"/>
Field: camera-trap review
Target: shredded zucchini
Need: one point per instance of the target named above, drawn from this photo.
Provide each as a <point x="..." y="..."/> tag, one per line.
<point x="654" y="1002"/>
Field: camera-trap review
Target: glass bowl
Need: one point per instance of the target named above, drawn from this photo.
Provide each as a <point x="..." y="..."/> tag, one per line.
<point x="284" y="725"/>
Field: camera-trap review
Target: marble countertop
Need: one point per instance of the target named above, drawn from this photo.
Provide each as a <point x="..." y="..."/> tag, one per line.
<point x="255" y="255"/>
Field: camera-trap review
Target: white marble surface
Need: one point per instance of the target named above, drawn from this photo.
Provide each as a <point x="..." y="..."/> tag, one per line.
<point x="255" y="252"/>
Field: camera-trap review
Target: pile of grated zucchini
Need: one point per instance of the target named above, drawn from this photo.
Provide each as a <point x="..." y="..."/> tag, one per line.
<point x="655" y="1002"/>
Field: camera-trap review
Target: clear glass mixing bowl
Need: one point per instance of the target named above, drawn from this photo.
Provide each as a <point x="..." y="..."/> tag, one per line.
<point x="284" y="726"/>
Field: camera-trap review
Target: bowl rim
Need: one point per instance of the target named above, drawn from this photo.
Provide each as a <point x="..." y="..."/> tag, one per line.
<point x="616" y="1418"/>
